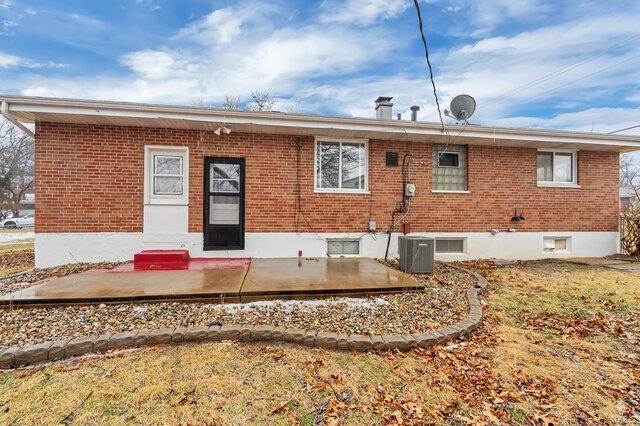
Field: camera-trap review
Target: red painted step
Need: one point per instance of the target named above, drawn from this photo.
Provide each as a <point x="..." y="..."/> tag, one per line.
<point x="161" y="260"/>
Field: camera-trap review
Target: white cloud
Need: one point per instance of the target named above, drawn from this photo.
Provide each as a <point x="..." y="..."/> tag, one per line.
<point x="361" y="12"/>
<point x="155" y="64"/>
<point x="311" y="51"/>
<point x="6" y="4"/>
<point x="483" y="16"/>
<point x="6" y="27"/>
<point x="10" y="61"/>
<point x="7" y="60"/>
<point x="598" y="120"/>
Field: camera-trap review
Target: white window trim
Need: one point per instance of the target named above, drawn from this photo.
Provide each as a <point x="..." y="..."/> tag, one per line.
<point x="149" y="197"/>
<point x="569" y="243"/>
<point x="328" y="240"/>
<point x="444" y="191"/>
<point x="457" y="154"/>
<point x="365" y="190"/>
<point x="574" y="170"/>
<point x="464" y="246"/>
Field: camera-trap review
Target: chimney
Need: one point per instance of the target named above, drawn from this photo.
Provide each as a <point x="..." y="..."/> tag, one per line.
<point x="383" y="108"/>
<point x="414" y="112"/>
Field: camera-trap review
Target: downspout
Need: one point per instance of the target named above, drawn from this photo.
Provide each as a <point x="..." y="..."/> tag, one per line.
<point x="4" y="110"/>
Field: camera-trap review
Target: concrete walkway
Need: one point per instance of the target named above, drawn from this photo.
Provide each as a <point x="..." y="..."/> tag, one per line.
<point x="614" y="262"/>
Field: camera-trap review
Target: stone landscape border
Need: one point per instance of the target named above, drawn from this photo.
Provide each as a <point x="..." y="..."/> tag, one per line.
<point x="59" y="349"/>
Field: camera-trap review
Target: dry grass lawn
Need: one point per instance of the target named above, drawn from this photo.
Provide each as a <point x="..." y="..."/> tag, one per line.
<point x="559" y="345"/>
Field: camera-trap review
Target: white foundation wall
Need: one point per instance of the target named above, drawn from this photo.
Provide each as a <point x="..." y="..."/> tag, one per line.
<point x="56" y="249"/>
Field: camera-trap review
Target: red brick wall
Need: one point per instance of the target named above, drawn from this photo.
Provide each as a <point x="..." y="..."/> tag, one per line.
<point x="90" y="179"/>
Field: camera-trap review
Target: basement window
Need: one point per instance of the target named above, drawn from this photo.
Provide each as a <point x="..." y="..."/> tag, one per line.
<point x="556" y="244"/>
<point x="557" y="168"/>
<point x="450" y="245"/>
<point x="166" y="175"/>
<point x="341" y="166"/>
<point x="342" y="247"/>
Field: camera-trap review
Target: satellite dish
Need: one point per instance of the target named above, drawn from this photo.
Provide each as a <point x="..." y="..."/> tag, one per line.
<point x="463" y="107"/>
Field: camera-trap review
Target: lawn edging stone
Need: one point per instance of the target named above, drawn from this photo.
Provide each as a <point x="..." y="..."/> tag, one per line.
<point x="63" y="348"/>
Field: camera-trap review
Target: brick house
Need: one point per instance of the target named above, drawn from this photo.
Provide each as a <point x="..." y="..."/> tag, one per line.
<point x="116" y="178"/>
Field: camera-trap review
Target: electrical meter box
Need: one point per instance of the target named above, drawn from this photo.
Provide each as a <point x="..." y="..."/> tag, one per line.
<point x="409" y="189"/>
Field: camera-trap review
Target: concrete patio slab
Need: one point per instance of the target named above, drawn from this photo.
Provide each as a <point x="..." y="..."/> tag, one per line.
<point x="261" y="279"/>
<point x="291" y="278"/>
<point x="213" y="285"/>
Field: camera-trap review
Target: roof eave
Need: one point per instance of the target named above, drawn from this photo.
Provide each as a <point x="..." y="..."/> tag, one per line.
<point x="29" y="109"/>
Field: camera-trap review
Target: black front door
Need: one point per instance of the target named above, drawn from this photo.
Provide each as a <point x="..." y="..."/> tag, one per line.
<point x="223" y="203"/>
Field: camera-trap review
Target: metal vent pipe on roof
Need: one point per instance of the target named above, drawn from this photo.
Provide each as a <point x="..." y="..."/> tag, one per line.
<point x="414" y="112"/>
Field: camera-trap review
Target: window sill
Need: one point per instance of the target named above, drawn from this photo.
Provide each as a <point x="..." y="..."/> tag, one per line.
<point x="439" y="191"/>
<point x="557" y="185"/>
<point x="340" y="191"/>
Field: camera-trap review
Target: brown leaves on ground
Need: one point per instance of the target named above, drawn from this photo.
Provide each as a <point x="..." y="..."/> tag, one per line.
<point x="579" y="326"/>
<point x="17" y="259"/>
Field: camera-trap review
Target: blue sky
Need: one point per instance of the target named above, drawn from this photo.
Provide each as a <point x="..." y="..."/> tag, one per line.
<point x="336" y="57"/>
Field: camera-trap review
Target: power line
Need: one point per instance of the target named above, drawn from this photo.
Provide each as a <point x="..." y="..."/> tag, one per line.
<point x="622" y="130"/>
<point x="568" y="68"/>
<point x="578" y="79"/>
<point x="426" y="54"/>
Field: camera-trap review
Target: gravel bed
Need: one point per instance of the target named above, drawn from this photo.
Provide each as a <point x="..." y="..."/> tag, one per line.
<point x="443" y="302"/>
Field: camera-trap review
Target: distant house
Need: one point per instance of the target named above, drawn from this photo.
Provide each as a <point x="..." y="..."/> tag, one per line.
<point x="628" y="197"/>
<point x="114" y="178"/>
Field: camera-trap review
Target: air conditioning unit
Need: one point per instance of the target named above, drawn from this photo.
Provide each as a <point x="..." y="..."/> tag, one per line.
<point x="416" y="254"/>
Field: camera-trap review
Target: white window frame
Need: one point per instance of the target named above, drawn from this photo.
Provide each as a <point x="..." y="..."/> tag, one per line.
<point x="440" y="153"/>
<point x="340" y="141"/>
<point x="449" y="253"/>
<point x="150" y="151"/>
<point x="574" y="169"/>
<point x="567" y="248"/>
<point x="346" y="239"/>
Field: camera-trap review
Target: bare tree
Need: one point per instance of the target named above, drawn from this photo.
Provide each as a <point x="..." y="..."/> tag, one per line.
<point x="17" y="166"/>
<point x="262" y="101"/>
<point x="630" y="211"/>
<point x="629" y="172"/>
<point x="231" y="102"/>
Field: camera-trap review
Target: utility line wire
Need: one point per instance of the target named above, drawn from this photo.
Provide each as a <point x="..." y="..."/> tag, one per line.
<point x="622" y="130"/>
<point x="426" y="54"/>
<point x="577" y="79"/>
<point x="551" y="75"/>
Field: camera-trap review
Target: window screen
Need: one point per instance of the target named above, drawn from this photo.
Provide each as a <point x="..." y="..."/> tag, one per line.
<point x="341" y="247"/>
<point x="450" y="246"/>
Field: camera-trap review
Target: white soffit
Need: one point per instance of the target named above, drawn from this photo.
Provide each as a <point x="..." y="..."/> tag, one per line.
<point x="32" y="109"/>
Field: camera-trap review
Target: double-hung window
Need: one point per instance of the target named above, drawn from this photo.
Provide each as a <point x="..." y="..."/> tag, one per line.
<point x="341" y="166"/>
<point x="166" y="175"/>
<point x="557" y="168"/>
